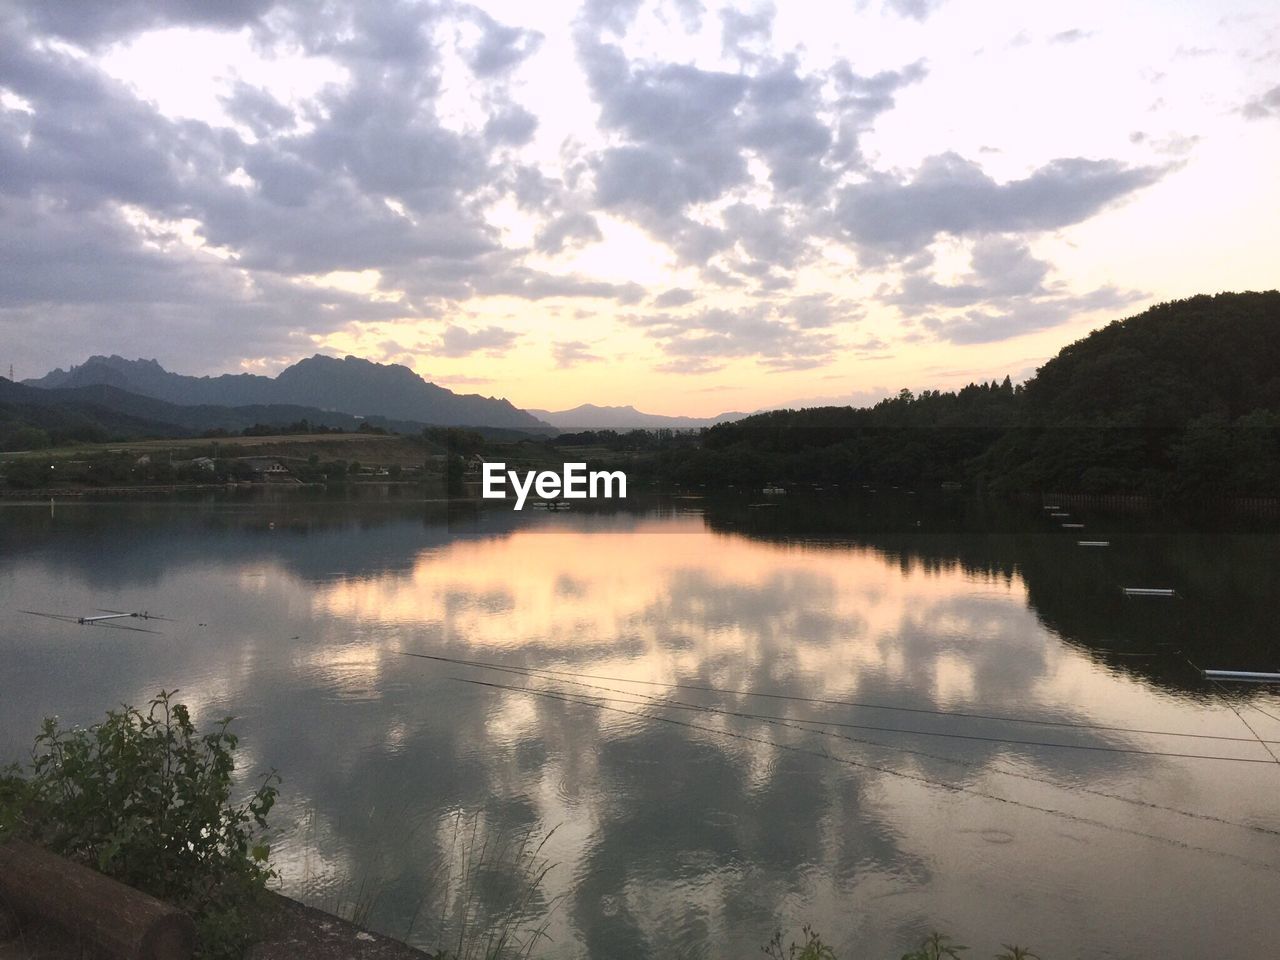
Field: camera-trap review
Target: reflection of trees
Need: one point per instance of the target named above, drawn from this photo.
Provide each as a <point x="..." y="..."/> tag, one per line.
<point x="648" y="806"/>
<point x="1224" y="617"/>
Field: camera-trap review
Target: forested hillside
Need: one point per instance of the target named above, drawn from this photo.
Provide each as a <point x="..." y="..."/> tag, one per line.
<point x="1181" y="400"/>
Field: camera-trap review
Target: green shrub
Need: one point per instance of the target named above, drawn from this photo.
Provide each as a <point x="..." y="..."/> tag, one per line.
<point x="146" y="799"/>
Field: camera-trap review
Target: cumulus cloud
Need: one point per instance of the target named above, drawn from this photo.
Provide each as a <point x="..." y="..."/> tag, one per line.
<point x="571" y="353"/>
<point x="1006" y="293"/>
<point x="90" y="23"/>
<point x="680" y="138"/>
<point x="460" y="342"/>
<point x="740" y="31"/>
<point x="119" y="220"/>
<point x="952" y="195"/>
<point x="694" y="343"/>
<point x="913" y="9"/>
<point x="675" y="297"/>
<point x="1074" y="35"/>
<point x="1020" y="318"/>
<point x="568" y="230"/>
<point x="501" y="47"/>
<point x="1263" y="106"/>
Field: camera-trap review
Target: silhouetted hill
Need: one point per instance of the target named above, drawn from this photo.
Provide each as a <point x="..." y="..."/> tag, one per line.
<point x="351" y="385"/>
<point x="588" y="416"/>
<point x="69" y="418"/>
<point x="1207" y="355"/>
<point x="1181" y="400"/>
<point x="100" y="412"/>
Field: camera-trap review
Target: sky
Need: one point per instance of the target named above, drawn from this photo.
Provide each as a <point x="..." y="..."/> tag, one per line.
<point x="681" y="205"/>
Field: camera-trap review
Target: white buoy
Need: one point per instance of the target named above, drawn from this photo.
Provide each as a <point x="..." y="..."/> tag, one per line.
<point x="1147" y="592"/>
<point x="1245" y="676"/>
<point x="1093" y="543"/>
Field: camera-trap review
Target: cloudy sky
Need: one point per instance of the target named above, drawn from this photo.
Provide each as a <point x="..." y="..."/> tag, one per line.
<point x="682" y="205"/>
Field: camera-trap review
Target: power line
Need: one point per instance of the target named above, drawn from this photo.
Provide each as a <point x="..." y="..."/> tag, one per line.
<point x="1248" y="725"/>
<point x="794" y="723"/>
<point x="852" y="703"/>
<point x="879" y="768"/>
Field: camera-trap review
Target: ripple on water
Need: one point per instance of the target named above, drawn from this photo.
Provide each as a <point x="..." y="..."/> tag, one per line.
<point x="990" y="835"/>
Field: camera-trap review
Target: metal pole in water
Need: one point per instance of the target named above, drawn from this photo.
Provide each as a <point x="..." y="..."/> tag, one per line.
<point x="1147" y="592"/>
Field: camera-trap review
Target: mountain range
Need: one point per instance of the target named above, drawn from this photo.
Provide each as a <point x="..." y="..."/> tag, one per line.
<point x="101" y="412"/>
<point x="353" y="386"/>
<point x="588" y="416"/>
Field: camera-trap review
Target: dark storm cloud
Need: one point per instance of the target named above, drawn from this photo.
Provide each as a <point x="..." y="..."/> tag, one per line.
<point x="950" y="194"/>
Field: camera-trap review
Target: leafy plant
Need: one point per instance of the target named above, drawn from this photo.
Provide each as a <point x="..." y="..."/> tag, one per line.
<point x="935" y="947"/>
<point x="812" y="949"/>
<point x="145" y="798"/>
<point x="1016" y="953"/>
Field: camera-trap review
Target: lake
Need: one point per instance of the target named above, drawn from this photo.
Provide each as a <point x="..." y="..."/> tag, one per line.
<point x="877" y="716"/>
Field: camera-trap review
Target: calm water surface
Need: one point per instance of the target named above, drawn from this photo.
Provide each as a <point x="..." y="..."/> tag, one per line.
<point x="689" y="815"/>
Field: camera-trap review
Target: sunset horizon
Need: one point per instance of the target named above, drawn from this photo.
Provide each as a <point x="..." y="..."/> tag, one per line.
<point x="673" y="206"/>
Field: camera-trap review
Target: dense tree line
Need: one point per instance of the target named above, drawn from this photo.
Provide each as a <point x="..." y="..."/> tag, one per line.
<point x="1180" y="401"/>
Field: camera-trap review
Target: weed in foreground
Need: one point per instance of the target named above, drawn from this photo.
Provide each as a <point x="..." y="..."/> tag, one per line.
<point x="145" y="798"/>
<point x="487" y="896"/>
<point x="936" y="946"/>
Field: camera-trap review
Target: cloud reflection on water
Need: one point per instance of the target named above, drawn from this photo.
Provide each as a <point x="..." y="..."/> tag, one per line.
<point x="669" y="835"/>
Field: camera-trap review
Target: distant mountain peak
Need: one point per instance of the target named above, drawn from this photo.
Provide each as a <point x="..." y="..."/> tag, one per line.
<point x="351" y="385"/>
<point x="590" y="416"/>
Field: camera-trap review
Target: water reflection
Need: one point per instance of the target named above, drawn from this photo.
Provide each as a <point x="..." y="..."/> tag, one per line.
<point x="682" y="832"/>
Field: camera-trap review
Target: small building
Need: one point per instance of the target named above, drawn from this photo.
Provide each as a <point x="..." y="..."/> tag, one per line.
<point x="268" y="468"/>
